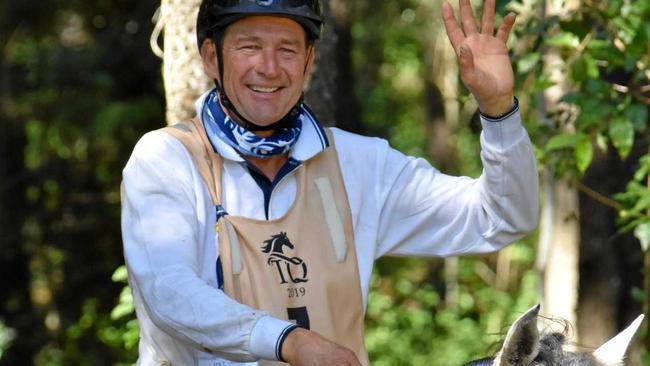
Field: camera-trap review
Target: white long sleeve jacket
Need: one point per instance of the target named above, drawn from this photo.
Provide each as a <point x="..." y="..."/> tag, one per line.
<point x="400" y="205"/>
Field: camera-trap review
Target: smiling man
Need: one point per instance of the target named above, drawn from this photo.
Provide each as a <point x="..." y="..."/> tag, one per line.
<point x="250" y="231"/>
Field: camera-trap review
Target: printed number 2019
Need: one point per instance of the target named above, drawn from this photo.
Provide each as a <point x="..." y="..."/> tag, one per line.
<point x="296" y="292"/>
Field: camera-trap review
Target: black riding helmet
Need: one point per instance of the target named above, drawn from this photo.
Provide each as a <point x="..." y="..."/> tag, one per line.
<point x="215" y="15"/>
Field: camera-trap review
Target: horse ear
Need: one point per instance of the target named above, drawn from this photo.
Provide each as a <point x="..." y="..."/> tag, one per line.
<point x="612" y="352"/>
<point x="522" y="342"/>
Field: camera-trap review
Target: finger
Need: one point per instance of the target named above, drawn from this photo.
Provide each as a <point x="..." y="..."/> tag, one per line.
<point x="467" y="18"/>
<point x="506" y="26"/>
<point x="466" y="62"/>
<point x="488" y="17"/>
<point x="455" y="34"/>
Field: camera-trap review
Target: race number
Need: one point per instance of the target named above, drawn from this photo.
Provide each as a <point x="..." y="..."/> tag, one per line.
<point x="300" y="316"/>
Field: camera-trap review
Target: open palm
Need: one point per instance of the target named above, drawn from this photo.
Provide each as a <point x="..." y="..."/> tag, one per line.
<point x="485" y="66"/>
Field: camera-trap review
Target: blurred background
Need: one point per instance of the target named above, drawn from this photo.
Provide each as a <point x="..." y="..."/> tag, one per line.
<point x="81" y="81"/>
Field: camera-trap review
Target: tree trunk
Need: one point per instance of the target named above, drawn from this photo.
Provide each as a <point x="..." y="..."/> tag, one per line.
<point x="330" y="93"/>
<point x="559" y="228"/>
<point x="183" y="73"/>
<point x="443" y="107"/>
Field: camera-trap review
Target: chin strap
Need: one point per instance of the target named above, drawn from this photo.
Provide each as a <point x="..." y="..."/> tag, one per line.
<point x="284" y="122"/>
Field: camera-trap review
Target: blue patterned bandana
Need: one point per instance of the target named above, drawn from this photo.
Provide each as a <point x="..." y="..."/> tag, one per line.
<point x="217" y="123"/>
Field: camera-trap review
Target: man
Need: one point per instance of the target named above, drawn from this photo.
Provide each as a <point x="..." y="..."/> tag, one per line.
<point x="250" y="231"/>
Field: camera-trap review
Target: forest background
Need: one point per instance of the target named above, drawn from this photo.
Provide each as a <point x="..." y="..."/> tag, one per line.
<point x="80" y="83"/>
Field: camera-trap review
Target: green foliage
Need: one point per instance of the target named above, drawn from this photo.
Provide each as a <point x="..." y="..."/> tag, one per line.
<point x="410" y="322"/>
<point x="75" y="99"/>
<point x="597" y="55"/>
<point x="603" y="53"/>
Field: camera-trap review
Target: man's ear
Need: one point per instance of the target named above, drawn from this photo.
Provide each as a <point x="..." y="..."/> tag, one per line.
<point x="209" y="58"/>
<point x="311" y="58"/>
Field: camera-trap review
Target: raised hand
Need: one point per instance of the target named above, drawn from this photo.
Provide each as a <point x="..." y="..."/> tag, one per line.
<point x="485" y="66"/>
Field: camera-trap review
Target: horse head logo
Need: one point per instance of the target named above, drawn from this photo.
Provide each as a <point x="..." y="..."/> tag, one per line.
<point x="276" y="244"/>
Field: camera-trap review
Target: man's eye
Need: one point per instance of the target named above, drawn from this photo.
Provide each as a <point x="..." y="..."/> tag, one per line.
<point x="248" y="47"/>
<point x="288" y="50"/>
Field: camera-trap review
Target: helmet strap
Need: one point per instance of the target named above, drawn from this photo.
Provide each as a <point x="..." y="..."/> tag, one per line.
<point x="284" y="122"/>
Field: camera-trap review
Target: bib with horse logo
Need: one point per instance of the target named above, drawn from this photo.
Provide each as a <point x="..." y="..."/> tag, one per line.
<point x="301" y="267"/>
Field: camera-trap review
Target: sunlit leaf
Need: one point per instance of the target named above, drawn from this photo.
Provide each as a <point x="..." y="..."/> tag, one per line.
<point x="621" y="131"/>
<point x="528" y="62"/>
<point x="564" y="39"/>
<point x="584" y="154"/>
<point x="601" y="142"/>
<point x="642" y="232"/>
<point x="120" y="274"/>
<point x="563" y="141"/>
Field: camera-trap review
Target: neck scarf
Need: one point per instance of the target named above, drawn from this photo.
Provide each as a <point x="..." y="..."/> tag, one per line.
<point x="218" y="124"/>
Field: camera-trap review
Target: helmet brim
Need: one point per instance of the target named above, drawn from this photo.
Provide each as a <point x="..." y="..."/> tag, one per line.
<point x="312" y="27"/>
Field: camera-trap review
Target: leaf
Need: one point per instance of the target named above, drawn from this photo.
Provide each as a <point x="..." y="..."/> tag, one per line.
<point x="601" y="142"/>
<point x="542" y="83"/>
<point x="642" y="232"/>
<point x="644" y="168"/>
<point x="584" y="154"/>
<point x="564" y="39"/>
<point x="613" y="8"/>
<point x="120" y="274"/>
<point x="583" y="68"/>
<point x="579" y="70"/>
<point x="643" y="204"/>
<point x="563" y="141"/>
<point x="638" y="115"/>
<point x="621" y="131"/>
<point x="528" y="62"/>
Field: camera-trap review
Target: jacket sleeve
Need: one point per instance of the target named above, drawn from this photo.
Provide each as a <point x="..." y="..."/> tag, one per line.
<point x="426" y="212"/>
<point x="163" y="230"/>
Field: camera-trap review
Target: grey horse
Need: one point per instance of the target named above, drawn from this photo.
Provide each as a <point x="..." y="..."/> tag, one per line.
<point x="524" y="346"/>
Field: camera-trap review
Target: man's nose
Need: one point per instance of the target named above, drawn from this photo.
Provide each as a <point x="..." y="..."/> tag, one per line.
<point x="268" y="65"/>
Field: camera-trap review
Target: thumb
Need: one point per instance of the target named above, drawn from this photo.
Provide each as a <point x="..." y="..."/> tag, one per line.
<point x="466" y="62"/>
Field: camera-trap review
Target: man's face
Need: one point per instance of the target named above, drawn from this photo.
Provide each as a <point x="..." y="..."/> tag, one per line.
<point x="266" y="61"/>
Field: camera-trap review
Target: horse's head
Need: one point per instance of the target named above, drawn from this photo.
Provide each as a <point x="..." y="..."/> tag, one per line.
<point x="524" y="346"/>
<point x="283" y="240"/>
<point x="275" y="244"/>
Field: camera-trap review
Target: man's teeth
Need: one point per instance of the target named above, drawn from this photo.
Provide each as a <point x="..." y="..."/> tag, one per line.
<point x="261" y="89"/>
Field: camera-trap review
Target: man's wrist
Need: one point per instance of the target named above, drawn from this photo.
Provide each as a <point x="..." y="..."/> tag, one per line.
<point x="266" y="335"/>
<point x="281" y="341"/>
<point x="497" y="108"/>
<point x="505" y="113"/>
<point x="287" y="350"/>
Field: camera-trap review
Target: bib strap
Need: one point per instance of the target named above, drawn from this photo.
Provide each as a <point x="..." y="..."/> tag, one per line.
<point x="333" y="218"/>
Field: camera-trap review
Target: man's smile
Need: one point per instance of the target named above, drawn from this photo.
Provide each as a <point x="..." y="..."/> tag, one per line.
<point x="263" y="89"/>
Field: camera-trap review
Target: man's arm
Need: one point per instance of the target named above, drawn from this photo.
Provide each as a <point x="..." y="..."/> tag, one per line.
<point x="429" y="213"/>
<point x="166" y="229"/>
